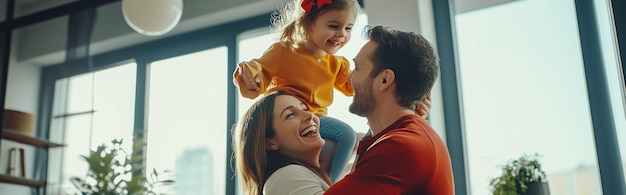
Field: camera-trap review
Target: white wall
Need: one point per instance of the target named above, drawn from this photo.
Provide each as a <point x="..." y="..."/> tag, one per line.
<point x="22" y="94"/>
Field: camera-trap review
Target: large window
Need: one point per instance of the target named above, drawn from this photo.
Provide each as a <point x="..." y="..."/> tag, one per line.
<point x="90" y="110"/>
<point x="524" y="92"/>
<point x="187" y="130"/>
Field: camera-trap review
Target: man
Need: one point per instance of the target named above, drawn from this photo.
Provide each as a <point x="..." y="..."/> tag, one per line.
<point x="393" y="73"/>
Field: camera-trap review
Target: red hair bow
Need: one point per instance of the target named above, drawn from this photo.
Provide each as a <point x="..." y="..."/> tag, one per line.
<point x="307" y="5"/>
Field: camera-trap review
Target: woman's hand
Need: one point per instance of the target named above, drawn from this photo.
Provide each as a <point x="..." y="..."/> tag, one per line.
<point x="424" y="108"/>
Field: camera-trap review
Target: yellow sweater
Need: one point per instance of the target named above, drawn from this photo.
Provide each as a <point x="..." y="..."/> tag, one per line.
<point x="309" y="77"/>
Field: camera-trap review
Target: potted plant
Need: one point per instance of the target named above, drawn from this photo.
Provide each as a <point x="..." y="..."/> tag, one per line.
<point x="110" y="169"/>
<point x="522" y="176"/>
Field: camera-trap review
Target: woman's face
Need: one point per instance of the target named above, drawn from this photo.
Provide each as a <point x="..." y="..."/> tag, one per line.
<point x="297" y="129"/>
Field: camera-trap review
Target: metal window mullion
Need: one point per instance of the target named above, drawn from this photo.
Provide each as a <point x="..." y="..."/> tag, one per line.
<point x="139" y="124"/>
<point x="604" y="129"/>
<point x="451" y="91"/>
<point x="231" y="118"/>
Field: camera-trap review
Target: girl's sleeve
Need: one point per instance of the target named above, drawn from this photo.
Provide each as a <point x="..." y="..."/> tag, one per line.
<point x="342" y="82"/>
<point x="266" y="67"/>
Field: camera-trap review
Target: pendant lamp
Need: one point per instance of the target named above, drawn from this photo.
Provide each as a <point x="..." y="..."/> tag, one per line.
<point x="152" y="17"/>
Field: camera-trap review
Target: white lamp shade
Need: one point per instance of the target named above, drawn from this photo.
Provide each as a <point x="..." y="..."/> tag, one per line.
<point x="152" y="17"/>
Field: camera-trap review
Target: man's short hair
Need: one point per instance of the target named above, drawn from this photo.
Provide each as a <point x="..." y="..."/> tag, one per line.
<point x="412" y="59"/>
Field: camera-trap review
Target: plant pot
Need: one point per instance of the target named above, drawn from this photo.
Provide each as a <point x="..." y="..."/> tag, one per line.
<point x="538" y="188"/>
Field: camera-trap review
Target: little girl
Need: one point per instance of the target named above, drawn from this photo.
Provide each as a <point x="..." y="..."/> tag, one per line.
<point x="303" y="64"/>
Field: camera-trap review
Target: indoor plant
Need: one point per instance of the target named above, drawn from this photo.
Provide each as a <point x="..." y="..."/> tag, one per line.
<point x="521" y="176"/>
<point x="110" y="169"/>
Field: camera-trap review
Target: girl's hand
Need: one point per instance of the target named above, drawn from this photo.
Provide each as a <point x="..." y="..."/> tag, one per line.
<point x="423" y="108"/>
<point x="252" y="84"/>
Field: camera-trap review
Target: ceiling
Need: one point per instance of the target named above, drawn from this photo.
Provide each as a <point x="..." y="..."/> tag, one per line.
<point x="25" y="7"/>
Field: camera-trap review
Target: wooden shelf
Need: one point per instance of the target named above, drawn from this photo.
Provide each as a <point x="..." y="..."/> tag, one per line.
<point x="18" y="137"/>
<point x="21" y="181"/>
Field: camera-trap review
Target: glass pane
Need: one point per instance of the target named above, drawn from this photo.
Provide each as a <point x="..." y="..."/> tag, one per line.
<point x="67" y="163"/>
<point x="187" y="128"/>
<point x="614" y="73"/>
<point x="524" y="92"/>
<point x="80" y="95"/>
<point x="102" y="105"/>
<point x="114" y="106"/>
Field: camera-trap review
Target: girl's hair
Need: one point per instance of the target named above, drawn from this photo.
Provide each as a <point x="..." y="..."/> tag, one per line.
<point x="253" y="162"/>
<point x="293" y="22"/>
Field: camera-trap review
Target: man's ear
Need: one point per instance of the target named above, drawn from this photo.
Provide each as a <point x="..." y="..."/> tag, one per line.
<point x="387" y="77"/>
<point x="271" y="145"/>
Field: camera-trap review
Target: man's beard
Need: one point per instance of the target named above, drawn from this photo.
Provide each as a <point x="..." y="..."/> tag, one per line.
<point x="363" y="101"/>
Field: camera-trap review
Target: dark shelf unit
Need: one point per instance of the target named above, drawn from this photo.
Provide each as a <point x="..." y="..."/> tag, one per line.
<point x="21" y="181"/>
<point x="15" y="136"/>
<point x="25" y="139"/>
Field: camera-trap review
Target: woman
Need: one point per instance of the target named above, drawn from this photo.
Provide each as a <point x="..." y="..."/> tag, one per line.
<point x="277" y="147"/>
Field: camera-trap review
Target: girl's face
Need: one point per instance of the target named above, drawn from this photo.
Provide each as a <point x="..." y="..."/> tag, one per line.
<point x="330" y="31"/>
<point x="297" y="129"/>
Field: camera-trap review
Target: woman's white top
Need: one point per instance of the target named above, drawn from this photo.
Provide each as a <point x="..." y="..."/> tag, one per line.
<point x="294" y="180"/>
